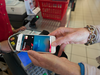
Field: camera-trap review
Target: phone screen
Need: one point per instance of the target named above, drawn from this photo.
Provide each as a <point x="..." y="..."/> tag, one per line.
<point x="36" y="43"/>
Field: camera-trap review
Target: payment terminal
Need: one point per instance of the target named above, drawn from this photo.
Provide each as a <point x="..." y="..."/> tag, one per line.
<point x="28" y="66"/>
<point x="24" y="61"/>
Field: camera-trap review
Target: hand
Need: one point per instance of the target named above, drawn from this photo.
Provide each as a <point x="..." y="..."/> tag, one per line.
<point x="59" y="65"/>
<point x="17" y="30"/>
<point x="66" y="36"/>
<point x="5" y="47"/>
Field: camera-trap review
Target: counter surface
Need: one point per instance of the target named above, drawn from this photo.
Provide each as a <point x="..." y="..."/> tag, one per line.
<point x="51" y="25"/>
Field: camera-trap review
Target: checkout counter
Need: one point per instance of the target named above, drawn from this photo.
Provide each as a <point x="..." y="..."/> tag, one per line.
<point x="12" y="60"/>
<point x="50" y="25"/>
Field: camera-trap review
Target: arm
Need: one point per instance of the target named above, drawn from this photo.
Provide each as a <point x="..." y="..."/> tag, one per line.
<point x="66" y="36"/>
<point x="4" y="46"/>
<point x="75" y="36"/>
<point x="59" y="65"/>
<point x="17" y="30"/>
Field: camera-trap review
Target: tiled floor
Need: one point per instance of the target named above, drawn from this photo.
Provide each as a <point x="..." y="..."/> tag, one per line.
<point x="86" y="12"/>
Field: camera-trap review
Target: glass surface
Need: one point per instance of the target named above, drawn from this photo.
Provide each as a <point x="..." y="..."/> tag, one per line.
<point x="36" y="43"/>
<point x="23" y="56"/>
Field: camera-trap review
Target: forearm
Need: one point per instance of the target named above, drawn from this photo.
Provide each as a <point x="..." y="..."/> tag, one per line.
<point x="69" y="68"/>
<point x="14" y="31"/>
<point x="4" y="46"/>
<point x="91" y="70"/>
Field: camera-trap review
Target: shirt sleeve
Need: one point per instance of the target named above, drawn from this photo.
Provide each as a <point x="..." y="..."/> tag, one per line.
<point x="91" y="70"/>
<point x="98" y="33"/>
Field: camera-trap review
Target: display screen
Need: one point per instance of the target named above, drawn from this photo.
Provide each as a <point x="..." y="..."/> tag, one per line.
<point x="36" y="43"/>
<point x="24" y="58"/>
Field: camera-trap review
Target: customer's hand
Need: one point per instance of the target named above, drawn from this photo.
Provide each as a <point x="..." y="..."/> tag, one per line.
<point x="19" y="29"/>
<point x="5" y="47"/>
<point x="59" y="65"/>
<point x="66" y="36"/>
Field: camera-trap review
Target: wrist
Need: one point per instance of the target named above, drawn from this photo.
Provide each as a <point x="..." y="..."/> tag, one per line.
<point x="87" y="33"/>
<point x="92" y="36"/>
<point x="73" y="69"/>
<point x="15" y="31"/>
<point x="77" y="70"/>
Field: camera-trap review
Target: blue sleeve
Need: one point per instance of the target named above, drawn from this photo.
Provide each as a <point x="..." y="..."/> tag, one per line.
<point x="82" y="68"/>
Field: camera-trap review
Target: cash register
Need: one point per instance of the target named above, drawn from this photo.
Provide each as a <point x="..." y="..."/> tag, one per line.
<point x="16" y="12"/>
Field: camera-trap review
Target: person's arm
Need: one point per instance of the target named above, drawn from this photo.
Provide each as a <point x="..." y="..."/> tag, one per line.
<point x="66" y="36"/>
<point x="87" y="35"/>
<point x="59" y="65"/>
<point x="4" y="46"/>
<point x="19" y="29"/>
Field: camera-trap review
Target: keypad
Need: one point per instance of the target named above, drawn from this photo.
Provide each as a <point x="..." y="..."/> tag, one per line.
<point x="35" y="70"/>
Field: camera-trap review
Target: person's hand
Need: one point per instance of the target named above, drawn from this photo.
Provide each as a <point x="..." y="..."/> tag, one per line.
<point x="19" y="29"/>
<point x="5" y="47"/>
<point x="66" y="36"/>
<point x="59" y="65"/>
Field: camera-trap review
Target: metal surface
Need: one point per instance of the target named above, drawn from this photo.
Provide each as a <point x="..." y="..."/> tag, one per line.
<point x="51" y="25"/>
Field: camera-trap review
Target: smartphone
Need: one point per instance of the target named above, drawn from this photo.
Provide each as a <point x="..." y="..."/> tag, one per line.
<point x="39" y="43"/>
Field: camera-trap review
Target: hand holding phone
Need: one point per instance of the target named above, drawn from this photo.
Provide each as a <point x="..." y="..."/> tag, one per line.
<point x="39" y="43"/>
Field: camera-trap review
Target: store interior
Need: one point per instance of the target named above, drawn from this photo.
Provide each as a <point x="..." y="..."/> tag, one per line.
<point x="85" y="12"/>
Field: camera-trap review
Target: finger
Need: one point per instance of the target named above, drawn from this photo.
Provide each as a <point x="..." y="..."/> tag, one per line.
<point x="58" y="31"/>
<point x="38" y="56"/>
<point x="71" y="42"/>
<point x="59" y="37"/>
<point x="34" y="54"/>
<point x="34" y="61"/>
<point x="23" y="27"/>
<point x="59" y="41"/>
<point x="37" y="59"/>
<point x="66" y="39"/>
<point x="62" y="29"/>
<point x="61" y="49"/>
<point x="42" y="59"/>
<point x="54" y="33"/>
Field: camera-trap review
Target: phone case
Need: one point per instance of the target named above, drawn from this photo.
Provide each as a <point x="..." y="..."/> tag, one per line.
<point x="12" y="40"/>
